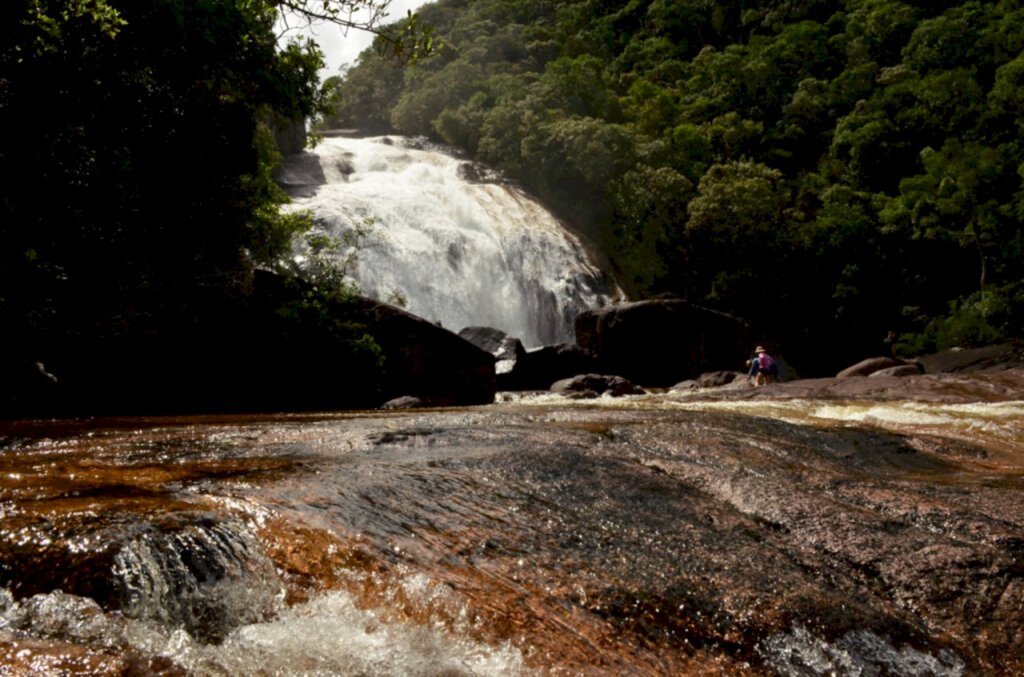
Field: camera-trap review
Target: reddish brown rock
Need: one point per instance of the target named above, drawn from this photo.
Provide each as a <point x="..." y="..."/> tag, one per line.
<point x="870" y="366"/>
<point x="912" y="369"/>
<point x="608" y="540"/>
<point x="996" y="357"/>
<point x="598" y="384"/>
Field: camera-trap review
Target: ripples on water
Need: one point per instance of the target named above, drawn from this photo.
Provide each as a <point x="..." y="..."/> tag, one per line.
<point x="652" y="535"/>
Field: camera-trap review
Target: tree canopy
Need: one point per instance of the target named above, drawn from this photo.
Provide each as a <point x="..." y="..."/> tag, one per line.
<point x="138" y="155"/>
<point x="829" y="169"/>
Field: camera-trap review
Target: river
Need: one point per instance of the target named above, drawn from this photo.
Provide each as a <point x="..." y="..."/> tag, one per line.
<point x="658" y="534"/>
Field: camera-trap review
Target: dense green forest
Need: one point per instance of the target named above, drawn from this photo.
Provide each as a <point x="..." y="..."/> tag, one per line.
<point x="826" y="169"/>
<point x="138" y="201"/>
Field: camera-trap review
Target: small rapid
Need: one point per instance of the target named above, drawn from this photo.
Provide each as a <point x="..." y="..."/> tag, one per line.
<point x="327" y="636"/>
<point x="206" y="579"/>
<point x="447" y="238"/>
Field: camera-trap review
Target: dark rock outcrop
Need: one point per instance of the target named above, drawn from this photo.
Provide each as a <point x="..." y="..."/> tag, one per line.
<point x="870" y="366"/>
<point x="659" y="342"/>
<point x="716" y="379"/>
<point x="713" y="379"/>
<point x="485" y="338"/>
<point x="1006" y="355"/>
<point x="911" y="369"/>
<point x="405" y="402"/>
<point x="300" y="175"/>
<point x="427" y="361"/>
<point x="264" y="352"/>
<point x="537" y="369"/>
<point x="474" y="172"/>
<point x="596" y="384"/>
<point x="506" y="349"/>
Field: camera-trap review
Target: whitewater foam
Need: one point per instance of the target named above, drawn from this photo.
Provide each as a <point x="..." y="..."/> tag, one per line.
<point x="460" y="253"/>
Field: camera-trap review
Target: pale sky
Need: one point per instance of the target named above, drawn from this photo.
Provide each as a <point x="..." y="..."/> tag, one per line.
<point x="341" y="48"/>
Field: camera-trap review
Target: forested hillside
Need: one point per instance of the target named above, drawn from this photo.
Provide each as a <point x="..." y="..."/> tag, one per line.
<point x="828" y="170"/>
<point x="138" y="201"/>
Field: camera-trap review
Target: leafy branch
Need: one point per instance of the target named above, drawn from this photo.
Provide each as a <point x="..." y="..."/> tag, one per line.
<point x="410" y="41"/>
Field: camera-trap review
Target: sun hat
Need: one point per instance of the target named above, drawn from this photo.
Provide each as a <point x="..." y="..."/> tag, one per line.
<point x="760" y="349"/>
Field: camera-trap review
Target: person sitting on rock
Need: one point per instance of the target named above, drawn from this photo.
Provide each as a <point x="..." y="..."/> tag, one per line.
<point x="762" y="367"/>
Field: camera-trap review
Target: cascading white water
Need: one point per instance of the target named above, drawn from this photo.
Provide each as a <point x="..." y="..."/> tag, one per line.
<point x="458" y="251"/>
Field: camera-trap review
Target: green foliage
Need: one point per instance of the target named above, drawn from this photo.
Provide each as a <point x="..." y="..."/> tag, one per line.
<point x="721" y="150"/>
<point x="646" y="223"/>
<point x="736" y="218"/>
<point x="316" y="294"/>
<point x="1006" y="98"/>
<point x="456" y="82"/>
<point x="977" y="320"/>
<point x="369" y="94"/>
<point x="138" y="160"/>
<point x="273" y="230"/>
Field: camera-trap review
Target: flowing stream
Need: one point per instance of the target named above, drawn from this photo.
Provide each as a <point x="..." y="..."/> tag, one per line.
<point x="448" y="238"/>
<point x="649" y="535"/>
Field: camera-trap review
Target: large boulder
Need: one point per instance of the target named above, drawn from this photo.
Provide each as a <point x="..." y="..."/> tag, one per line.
<point x="507" y="350"/>
<point x="659" y="342"/>
<point x="405" y="402"/>
<point x="424" y="360"/>
<point x="995" y="357"/>
<point x="593" y="385"/>
<point x="912" y="369"/>
<point x="870" y="366"/>
<point x="301" y="174"/>
<point x="485" y="338"/>
<point x="712" y="379"/>
<point x="537" y="369"/>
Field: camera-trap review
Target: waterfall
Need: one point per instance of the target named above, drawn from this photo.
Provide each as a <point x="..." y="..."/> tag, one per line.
<point x="454" y="242"/>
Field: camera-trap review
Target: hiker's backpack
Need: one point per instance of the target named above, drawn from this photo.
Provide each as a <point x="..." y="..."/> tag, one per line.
<point x="767" y="362"/>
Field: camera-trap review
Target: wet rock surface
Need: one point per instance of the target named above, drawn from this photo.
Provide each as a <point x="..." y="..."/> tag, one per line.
<point x="870" y="366"/>
<point x="713" y="379"/>
<point x="995" y="357"/>
<point x="1000" y="382"/>
<point x="595" y="385"/>
<point x="662" y="536"/>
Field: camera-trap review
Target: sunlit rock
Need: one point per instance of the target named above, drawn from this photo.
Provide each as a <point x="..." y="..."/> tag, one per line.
<point x="870" y="366"/>
<point x="599" y="384"/>
<point x="901" y="370"/>
<point x="507" y="350"/>
<point x="994" y="357"/>
<point x="405" y="402"/>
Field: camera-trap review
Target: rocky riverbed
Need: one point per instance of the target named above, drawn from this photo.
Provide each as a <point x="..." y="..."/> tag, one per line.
<point x="767" y="531"/>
